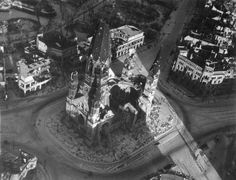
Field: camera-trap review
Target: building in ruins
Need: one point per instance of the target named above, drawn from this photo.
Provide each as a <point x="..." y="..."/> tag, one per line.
<point x="99" y="101"/>
<point x="16" y="167"/>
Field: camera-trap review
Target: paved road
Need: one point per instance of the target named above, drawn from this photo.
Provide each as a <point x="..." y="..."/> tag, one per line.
<point x="202" y="118"/>
<point x="183" y="150"/>
<point x="18" y="126"/>
<point x="168" y="36"/>
<point x="134" y="161"/>
<point x="199" y="117"/>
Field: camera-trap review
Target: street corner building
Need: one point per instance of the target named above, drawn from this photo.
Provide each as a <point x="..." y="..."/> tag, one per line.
<point x="33" y="73"/>
<point x="205" y="51"/>
<point x="126" y="39"/>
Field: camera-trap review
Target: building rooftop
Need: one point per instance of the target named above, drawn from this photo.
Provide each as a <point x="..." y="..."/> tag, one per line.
<point x="55" y="39"/>
<point x="117" y="67"/>
<point x="3" y="23"/>
<point x="211" y="35"/>
<point x="210" y="38"/>
<point x="31" y="50"/>
<point x="33" y="57"/>
<point x="204" y="27"/>
<point x="26" y="68"/>
<point x="219" y="5"/>
<point x="10" y="163"/>
<point x="34" y="61"/>
<point x="101" y="45"/>
<point x="208" y="54"/>
<point x="210" y="48"/>
<point x="129" y="30"/>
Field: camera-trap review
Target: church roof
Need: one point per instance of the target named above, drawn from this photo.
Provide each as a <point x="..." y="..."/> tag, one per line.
<point x="117" y="67"/>
<point x="101" y="48"/>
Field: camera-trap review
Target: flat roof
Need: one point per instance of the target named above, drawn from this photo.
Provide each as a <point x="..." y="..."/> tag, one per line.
<point x="117" y="67"/>
<point x="129" y="30"/>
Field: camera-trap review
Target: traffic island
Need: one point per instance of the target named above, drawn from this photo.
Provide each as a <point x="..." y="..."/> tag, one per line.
<point x="126" y="146"/>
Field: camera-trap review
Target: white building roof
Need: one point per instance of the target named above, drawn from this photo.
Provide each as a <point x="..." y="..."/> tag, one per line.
<point x="15" y="177"/>
<point x="40" y="63"/>
<point x="25" y="68"/>
<point x="129" y="30"/>
<point x="27" y="79"/>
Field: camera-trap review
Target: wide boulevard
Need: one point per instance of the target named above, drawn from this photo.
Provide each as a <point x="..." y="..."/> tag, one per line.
<point x="18" y="125"/>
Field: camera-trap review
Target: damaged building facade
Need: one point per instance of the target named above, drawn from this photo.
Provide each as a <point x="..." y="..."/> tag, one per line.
<point x="99" y="101"/>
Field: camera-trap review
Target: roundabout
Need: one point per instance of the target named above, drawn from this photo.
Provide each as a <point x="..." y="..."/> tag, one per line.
<point x="125" y="145"/>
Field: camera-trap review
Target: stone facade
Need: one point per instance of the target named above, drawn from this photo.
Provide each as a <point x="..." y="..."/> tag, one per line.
<point x="100" y="102"/>
<point x="126" y="39"/>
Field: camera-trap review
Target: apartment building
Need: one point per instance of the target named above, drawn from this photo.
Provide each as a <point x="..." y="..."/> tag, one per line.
<point x="206" y="56"/>
<point x="126" y="39"/>
<point x="206" y="67"/>
<point x="33" y="73"/>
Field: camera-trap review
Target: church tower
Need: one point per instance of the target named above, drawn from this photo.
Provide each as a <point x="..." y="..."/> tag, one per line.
<point x="152" y="85"/>
<point x="89" y="103"/>
<point x="73" y="87"/>
<point x="97" y="66"/>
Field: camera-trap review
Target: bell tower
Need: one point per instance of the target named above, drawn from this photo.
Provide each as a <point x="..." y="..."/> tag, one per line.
<point x="73" y="85"/>
<point x="91" y="92"/>
<point x="96" y="72"/>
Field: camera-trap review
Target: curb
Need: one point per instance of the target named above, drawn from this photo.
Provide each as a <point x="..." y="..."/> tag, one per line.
<point x="110" y="168"/>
